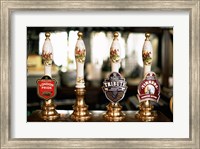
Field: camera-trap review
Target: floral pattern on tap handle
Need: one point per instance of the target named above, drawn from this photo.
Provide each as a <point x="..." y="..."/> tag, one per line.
<point x="80" y="80"/>
<point x="47" y="58"/>
<point x="147" y="57"/>
<point x="80" y="55"/>
<point x="114" y="55"/>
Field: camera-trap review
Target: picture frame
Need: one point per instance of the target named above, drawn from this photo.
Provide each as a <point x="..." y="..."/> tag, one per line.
<point x="8" y="7"/>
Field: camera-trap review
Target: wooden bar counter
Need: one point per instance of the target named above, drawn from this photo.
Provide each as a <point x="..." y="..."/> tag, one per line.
<point x="97" y="116"/>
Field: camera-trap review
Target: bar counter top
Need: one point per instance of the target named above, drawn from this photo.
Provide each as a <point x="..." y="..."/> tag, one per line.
<point x="97" y="116"/>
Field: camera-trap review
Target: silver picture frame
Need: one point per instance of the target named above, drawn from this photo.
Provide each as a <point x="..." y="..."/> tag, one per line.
<point x="193" y="7"/>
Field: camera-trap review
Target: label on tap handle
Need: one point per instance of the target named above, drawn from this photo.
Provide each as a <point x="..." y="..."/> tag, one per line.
<point x="114" y="87"/>
<point x="149" y="88"/>
<point x="46" y="88"/>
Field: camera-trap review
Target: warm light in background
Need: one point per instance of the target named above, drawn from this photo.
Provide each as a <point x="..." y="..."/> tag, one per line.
<point x="134" y="44"/>
<point x="99" y="47"/>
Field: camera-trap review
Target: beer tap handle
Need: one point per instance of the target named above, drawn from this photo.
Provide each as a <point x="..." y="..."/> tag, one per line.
<point x="115" y="54"/>
<point x="80" y="54"/>
<point x="147" y="54"/>
<point x="47" y="54"/>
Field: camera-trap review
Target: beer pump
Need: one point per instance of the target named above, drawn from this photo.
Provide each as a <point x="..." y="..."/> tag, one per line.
<point x="80" y="109"/>
<point x="114" y="86"/>
<point x="149" y="87"/>
<point x="46" y="86"/>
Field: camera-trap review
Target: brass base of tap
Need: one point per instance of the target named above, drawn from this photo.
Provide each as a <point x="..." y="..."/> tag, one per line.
<point x="80" y="109"/>
<point x="114" y="113"/>
<point x="48" y="111"/>
<point x="146" y="112"/>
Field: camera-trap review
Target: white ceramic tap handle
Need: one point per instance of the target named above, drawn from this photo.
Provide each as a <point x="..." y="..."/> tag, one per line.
<point x="47" y="54"/>
<point x="80" y="54"/>
<point x="147" y="54"/>
<point x="115" y="54"/>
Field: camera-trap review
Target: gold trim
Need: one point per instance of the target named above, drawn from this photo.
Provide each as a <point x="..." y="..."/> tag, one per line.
<point x="80" y="113"/>
<point x="48" y="111"/>
<point x="114" y="113"/>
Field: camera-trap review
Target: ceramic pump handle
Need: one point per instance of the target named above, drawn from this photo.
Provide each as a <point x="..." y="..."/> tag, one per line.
<point x="80" y="54"/>
<point x="115" y="54"/>
<point x="147" y="54"/>
<point x="47" y="54"/>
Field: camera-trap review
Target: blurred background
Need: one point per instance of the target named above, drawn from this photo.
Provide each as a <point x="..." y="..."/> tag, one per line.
<point x="97" y="66"/>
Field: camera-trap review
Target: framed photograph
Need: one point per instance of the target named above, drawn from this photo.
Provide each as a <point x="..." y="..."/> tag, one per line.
<point x="182" y="16"/>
